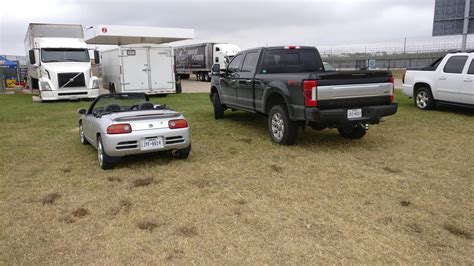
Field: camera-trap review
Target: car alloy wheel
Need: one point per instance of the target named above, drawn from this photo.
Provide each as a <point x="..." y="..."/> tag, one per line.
<point x="100" y="154"/>
<point x="422" y="99"/>
<point x="278" y="126"/>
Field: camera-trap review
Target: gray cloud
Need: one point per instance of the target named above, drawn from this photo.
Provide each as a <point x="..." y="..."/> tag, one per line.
<point x="246" y="23"/>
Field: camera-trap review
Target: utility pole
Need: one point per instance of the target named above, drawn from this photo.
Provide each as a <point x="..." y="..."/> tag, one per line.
<point x="466" y="24"/>
<point x="405" y="46"/>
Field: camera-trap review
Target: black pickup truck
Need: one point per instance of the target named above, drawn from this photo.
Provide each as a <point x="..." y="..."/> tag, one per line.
<point x="291" y="86"/>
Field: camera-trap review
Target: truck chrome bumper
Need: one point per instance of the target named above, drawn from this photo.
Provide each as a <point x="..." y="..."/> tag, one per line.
<point x="336" y="117"/>
<point x="74" y="94"/>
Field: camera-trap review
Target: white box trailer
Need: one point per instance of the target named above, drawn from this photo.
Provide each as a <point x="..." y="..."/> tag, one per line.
<point x="140" y="63"/>
<point x="145" y="68"/>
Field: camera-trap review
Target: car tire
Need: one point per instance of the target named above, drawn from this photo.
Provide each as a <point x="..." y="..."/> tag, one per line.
<point x="82" y="138"/>
<point x="424" y="99"/>
<point x="356" y="132"/>
<point x="282" y="130"/>
<point x="218" y="107"/>
<point x="105" y="161"/>
<point x="184" y="153"/>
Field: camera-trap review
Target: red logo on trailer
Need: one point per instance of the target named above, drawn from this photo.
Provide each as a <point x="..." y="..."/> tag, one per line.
<point x="104" y="29"/>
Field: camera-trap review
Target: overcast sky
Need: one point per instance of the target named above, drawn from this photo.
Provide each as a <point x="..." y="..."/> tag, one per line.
<point x="245" y="23"/>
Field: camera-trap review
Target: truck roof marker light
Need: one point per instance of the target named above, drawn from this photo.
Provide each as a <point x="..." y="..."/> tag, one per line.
<point x="292" y="47"/>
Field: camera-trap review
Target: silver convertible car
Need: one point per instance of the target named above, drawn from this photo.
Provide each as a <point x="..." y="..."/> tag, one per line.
<point x="127" y="123"/>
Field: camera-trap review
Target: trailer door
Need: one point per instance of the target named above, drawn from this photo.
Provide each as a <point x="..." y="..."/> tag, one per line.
<point x="161" y="69"/>
<point x="135" y="69"/>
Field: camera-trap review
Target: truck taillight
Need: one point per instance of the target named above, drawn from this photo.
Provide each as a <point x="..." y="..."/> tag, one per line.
<point x="392" y="96"/>
<point x="119" y="129"/>
<point x="309" y="92"/>
<point x="178" y="123"/>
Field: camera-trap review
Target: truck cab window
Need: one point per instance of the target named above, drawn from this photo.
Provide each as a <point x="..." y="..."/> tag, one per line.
<point x="455" y="64"/>
<point x="235" y="64"/>
<point x="250" y="62"/>
<point x="64" y="55"/>
<point x="291" y="61"/>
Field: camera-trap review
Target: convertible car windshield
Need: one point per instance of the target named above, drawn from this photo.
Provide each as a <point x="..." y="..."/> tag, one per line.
<point x="119" y="103"/>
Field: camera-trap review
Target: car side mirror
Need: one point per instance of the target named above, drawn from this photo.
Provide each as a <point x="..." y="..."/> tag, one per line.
<point x="82" y="111"/>
<point x="96" y="57"/>
<point x="216" y="69"/>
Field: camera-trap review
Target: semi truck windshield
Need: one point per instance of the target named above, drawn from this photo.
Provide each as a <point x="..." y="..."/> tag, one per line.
<point x="64" y="55"/>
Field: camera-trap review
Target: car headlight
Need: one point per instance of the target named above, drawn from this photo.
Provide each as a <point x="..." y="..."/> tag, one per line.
<point x="45" y="86"/>
<point x="95" y="84"/>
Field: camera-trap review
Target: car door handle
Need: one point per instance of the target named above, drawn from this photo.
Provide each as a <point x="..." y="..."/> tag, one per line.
<point x="468" y="80"/>
<point x="442" y="78"/>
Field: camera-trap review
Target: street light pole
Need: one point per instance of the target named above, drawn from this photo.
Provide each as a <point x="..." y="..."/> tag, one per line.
<point x="466" y="24"/>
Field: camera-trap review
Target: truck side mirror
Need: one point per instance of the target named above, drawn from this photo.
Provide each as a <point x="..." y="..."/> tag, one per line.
<point x="216" y="69"/>
<point x="31" y="54"/>
<point x="96" y="57"/>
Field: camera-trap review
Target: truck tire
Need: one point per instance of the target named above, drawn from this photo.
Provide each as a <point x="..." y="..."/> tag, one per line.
<point x="282" y="130"/>
<point x="218" y="108"/>
<point x="112" y="88"/>
<point x="356" y="132"/>
<point x="424" y="99"/>
<point x="207" y="78"/>
<point x="179" y="88"/>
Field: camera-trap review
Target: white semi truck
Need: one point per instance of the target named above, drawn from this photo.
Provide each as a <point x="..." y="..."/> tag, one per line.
<point x="198" y="58"/>
<point x="59" y="65"/>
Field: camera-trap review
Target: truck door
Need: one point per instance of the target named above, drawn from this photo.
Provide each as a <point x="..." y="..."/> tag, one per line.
<point x="245" y="81"/>
<point x="135" y="69"/>
<point x="161" y="69"/>
<point x="451" y="78"/>
<point x="467" y="86"/>
<point x="228" y="82"/>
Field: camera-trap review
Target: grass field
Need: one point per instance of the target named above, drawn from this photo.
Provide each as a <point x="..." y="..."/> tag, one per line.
<point x="403" y="194"/>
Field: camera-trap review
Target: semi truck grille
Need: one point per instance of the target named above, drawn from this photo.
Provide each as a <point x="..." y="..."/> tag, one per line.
<point x="64" y="78"/>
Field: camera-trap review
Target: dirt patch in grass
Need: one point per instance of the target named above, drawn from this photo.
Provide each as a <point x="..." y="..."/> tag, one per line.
<point x="459" y="232"/>
<point x="68" y="219"/>
<point x="123" y="206"/>
<point x="246" y="140"/>
<point x="50" y="198"/>
<point x="143" y="182"/>
<point x="405" y="203"/>
<point x="147" y="225"/>
<point x="391" y="170"/>
<point x="114" y="179"/>
<point x="187" y="231"/>
<point x="80" y="212"/>
<point x="241" y="201"/>
<point x="276" y="168"/>
<point x="174" y="254"/>
<point x="66" y="170"/>
<point x="414" y="228"/>
<point x="200" y="183"/>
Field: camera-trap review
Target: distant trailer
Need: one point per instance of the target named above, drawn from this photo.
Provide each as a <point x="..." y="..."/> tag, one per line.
<point x="140" y="63"/>
<point x="147" y="68"/>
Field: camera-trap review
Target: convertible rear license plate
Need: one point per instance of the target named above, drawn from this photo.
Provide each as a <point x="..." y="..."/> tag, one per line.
<point x="354" y="113"/>
<point x="151" y="143"/>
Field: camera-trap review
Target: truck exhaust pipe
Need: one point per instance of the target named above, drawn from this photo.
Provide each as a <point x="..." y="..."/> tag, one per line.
<point x="175" y="153"/>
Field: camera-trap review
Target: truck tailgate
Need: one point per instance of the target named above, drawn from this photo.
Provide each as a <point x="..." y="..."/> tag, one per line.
<point x="354" y="88"/>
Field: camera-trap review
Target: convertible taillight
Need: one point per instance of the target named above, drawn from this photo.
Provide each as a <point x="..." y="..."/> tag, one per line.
<point x="119" y="129"/>
<point x="178" y="123"/>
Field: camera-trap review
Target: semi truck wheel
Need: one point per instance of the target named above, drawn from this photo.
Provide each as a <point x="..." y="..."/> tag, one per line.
<point x="282" y="130"/>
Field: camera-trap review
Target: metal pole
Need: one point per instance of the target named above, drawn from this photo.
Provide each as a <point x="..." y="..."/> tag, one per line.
<point x="466" y="24"/>
<point x="405" y="46"/>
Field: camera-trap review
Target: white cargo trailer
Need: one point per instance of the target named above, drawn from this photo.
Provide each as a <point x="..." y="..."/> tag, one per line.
<point x="145" y="68"/>
<point x="140" y="63"/>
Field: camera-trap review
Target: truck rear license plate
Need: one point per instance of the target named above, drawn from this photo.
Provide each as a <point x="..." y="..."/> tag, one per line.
<point x="151" y="143"/>
<point x="354" y="113"/>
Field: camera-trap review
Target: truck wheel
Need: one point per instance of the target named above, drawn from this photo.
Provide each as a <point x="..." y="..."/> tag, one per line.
<point x="356" y="132"/>
<point x="282" y="130"/>
<point x="105" y="161"/>
<point x="218" y="108"/>
<point x="207" y="78"/>
<point x="112" y="88"/>
<point x="424" y="99"/>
